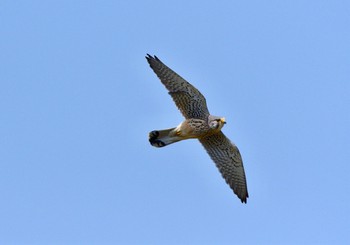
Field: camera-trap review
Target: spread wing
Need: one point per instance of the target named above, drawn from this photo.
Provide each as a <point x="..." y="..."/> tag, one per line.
<point x="229" y="162"/>
<point x="187" y="98"/>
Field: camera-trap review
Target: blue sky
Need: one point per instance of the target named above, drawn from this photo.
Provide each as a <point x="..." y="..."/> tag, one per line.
<point x="78" y="99"/>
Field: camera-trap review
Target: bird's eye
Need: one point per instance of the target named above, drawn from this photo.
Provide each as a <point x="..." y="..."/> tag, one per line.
<point x="214" y="124"/>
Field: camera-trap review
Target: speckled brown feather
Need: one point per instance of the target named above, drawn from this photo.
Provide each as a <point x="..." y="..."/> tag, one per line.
<point x="187" y="98"/>
<point x="229" y="162"/>
<point x="192" y="105"/>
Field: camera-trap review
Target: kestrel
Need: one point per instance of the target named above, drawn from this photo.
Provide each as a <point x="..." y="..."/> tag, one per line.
<point x="199" y="124"/>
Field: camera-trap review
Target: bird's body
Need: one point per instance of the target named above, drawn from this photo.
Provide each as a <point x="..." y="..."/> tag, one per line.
<point x="199" y="124"/>
<point x="188" y="129"/>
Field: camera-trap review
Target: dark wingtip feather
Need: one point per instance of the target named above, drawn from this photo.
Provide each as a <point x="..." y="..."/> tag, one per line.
<point x="150" y="58"/>
<point x="244" y="198"/>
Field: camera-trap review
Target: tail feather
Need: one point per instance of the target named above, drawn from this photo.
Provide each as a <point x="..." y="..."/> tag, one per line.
<point x="160" y="138"/>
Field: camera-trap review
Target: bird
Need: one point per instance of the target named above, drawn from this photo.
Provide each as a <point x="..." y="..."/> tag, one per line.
<point x="199" y="124"/>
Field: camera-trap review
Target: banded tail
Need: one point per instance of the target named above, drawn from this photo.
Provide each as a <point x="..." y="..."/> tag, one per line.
<point x="160" y="138"/>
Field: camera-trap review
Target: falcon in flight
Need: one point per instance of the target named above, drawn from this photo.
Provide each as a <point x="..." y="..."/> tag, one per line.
<point x="199" y="124"/>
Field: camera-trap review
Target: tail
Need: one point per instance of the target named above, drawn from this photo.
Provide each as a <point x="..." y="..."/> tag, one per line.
<point x="160" y="138"/>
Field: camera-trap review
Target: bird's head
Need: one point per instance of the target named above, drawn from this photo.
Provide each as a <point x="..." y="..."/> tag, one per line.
<point x="216" y="123"/>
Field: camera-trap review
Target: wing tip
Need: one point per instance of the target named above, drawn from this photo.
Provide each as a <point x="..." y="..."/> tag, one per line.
<point x="150" y="58"/>
<point x="243" y="197"/>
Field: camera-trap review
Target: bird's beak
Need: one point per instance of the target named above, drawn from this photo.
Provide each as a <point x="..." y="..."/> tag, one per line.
<point x="223" y="120"/>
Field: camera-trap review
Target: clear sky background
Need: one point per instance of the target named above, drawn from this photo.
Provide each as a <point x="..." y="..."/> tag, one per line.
<point x="77" y="100"/>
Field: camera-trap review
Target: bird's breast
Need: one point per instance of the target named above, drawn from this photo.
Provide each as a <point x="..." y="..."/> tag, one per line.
<point x="192" y="128"/>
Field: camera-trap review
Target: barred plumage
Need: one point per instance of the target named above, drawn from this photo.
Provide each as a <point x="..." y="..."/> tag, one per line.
<point x="201" y="125"/>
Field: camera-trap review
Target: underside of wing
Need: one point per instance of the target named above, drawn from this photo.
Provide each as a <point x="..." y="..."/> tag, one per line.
<point x="187" y="98"/>
<point x="229" y="162"/>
